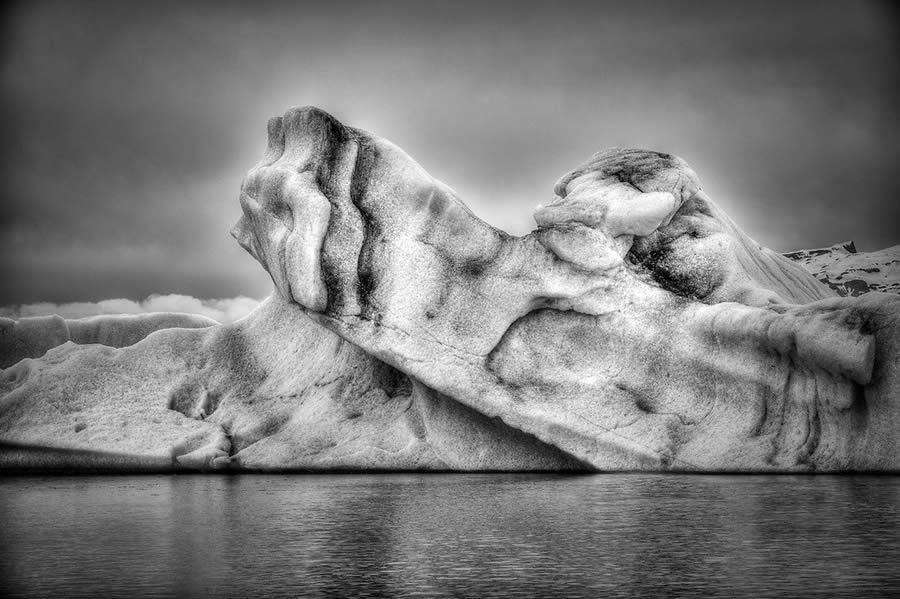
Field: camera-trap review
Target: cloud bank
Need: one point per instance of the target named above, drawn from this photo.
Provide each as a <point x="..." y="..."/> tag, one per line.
<point x="225" y="310"/>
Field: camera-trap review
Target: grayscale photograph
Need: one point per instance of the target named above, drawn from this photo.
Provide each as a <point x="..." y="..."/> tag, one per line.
<point x="450" y="299"/>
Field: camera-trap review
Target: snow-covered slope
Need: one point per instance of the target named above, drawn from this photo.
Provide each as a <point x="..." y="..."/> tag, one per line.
<point x="850" y="272"/>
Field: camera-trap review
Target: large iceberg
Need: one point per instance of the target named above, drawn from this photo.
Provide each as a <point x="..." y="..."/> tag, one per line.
<point x="637" y="328"/>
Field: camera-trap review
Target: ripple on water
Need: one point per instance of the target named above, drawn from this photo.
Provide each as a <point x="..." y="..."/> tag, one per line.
<point x="449" y="535"/>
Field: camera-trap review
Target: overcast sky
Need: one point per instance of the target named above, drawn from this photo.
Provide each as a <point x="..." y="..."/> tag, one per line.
<point x="127" y="127"/>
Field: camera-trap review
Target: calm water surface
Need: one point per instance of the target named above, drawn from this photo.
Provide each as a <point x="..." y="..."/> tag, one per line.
<point x="449" y="536"/>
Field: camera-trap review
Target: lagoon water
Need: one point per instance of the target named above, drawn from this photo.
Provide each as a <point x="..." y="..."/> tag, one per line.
<point x="451" y="535"/>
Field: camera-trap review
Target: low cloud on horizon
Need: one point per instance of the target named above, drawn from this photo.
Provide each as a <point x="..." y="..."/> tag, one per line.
<point x="225" y="310"/>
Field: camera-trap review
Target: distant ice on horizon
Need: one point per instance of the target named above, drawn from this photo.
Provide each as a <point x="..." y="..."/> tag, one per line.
<point x="225" y="310"/>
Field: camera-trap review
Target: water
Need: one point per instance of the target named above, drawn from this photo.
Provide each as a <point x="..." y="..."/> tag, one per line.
<point x="449" y="535"/>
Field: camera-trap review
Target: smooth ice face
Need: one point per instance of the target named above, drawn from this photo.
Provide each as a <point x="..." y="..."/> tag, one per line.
<point x="636" y="328"/>
<point x="622" y="192"/>
<point x="322" y="190"/>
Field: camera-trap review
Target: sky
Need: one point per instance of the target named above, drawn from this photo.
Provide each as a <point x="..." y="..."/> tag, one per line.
<point x="128" y="126"/>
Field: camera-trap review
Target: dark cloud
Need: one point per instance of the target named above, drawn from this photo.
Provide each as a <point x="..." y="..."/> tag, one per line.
<point x="129" y="125"/>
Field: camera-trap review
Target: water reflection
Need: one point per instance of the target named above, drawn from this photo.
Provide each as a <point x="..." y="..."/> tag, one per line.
<point x="449" y="535"/>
